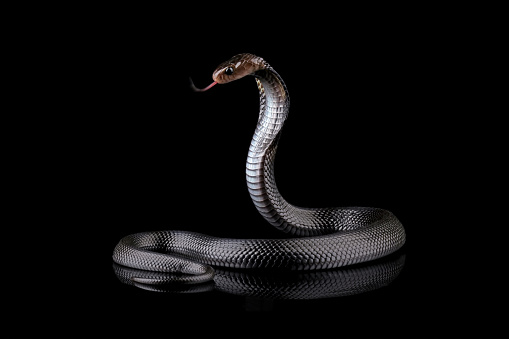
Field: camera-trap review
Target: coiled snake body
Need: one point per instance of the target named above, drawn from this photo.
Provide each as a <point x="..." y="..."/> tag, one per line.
<point x="324" y="237"/>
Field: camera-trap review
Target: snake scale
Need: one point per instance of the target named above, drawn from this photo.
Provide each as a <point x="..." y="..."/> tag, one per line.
<point x="322" y="238"/>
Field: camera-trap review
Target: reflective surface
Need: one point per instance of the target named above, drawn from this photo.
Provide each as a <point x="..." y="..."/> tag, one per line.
<point x="283" y="285"/>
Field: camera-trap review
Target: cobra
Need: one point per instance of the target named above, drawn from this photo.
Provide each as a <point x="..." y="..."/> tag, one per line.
<point x="320" y="238"/>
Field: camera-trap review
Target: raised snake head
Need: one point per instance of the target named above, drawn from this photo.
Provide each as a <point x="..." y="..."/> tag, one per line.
<point x="238" y="67"/>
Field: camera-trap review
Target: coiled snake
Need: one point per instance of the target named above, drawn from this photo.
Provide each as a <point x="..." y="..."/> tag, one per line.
<point x="324" y="237"/>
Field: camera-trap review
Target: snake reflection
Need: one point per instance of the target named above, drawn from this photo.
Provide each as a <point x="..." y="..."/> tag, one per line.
<point x="269" y="284"/>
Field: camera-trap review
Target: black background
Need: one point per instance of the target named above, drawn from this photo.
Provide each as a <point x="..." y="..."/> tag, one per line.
<point x="381" y="103"/>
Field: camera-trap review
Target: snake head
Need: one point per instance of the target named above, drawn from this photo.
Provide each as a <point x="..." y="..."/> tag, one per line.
<point x="237" y="67"/>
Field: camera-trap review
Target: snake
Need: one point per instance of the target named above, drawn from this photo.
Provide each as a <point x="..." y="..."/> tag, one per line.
<point x="317" y="238"/>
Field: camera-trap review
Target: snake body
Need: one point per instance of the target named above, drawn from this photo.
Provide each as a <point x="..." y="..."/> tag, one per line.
<point x="324" y="238"/>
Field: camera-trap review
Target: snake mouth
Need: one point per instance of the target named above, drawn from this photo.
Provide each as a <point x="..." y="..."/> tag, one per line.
<point x="196" y="89"/>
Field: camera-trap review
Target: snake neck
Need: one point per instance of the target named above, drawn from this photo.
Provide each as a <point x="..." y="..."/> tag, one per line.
<point x="274" y="108"/>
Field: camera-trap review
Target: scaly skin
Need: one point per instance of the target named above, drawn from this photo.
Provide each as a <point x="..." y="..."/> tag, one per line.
<point x="325" y="237"/>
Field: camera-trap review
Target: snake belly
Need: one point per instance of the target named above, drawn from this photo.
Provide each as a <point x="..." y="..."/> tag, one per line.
<point x="323" y="238"/>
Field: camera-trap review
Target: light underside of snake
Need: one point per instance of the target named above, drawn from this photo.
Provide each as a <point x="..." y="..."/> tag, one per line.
<point x="325" y="238"/>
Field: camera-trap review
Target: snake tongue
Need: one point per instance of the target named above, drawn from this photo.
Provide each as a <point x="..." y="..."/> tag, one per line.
<point x="194" y="88"/>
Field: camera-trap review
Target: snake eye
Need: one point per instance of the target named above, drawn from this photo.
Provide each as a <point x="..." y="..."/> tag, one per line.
<point x="228" y="71"/>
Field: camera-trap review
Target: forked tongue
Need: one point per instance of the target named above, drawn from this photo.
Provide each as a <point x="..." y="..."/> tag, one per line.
<point x="196" y="89"/>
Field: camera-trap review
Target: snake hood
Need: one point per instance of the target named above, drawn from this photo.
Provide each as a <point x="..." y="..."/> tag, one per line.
<point x="238" y="67"/>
